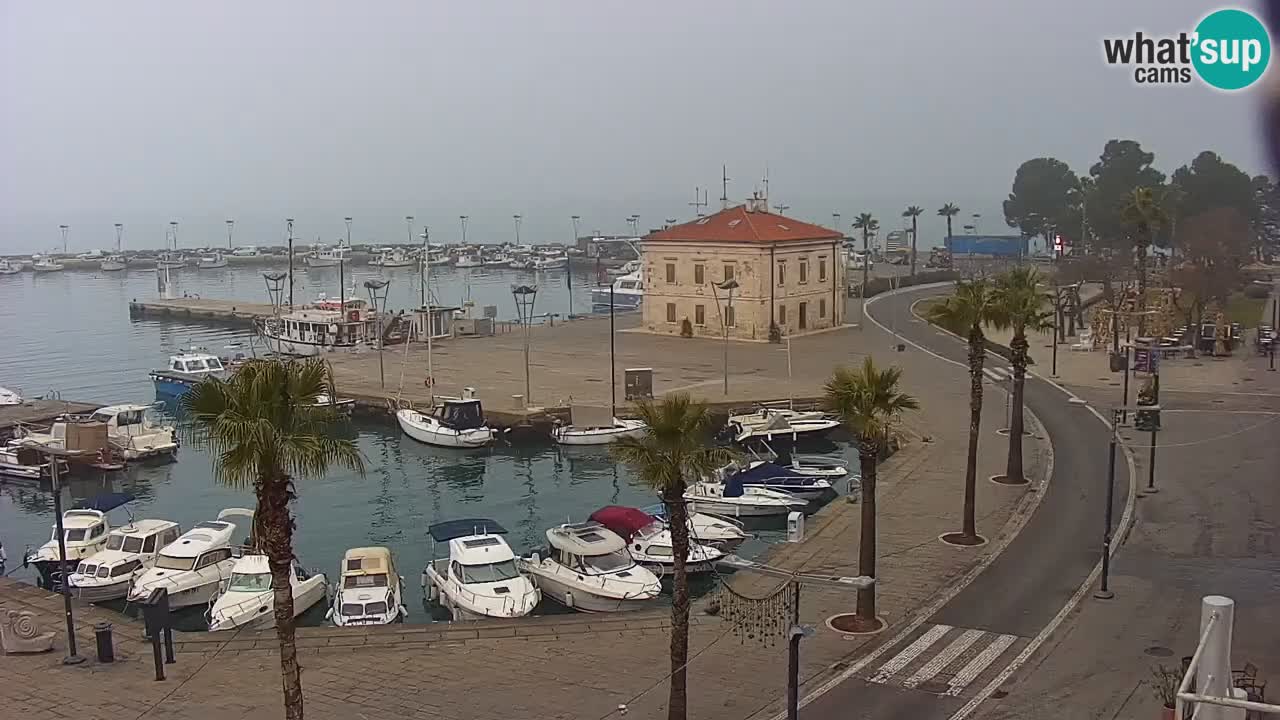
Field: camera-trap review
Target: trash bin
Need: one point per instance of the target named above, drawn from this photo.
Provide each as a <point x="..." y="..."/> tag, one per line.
<point x="102" y="633"/>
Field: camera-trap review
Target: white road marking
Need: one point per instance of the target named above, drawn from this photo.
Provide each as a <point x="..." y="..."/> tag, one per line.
<point x="911" y="652"/>
<point x="944" y="658"/>
<point x="979" y="663"/>
<point x="991" y="374"/>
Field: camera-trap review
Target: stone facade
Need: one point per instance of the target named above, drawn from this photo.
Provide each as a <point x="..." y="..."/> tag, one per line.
<point x="793" y="282"/>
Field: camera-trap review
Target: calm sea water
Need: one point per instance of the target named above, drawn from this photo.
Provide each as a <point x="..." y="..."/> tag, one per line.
<point x="71" y="333"/>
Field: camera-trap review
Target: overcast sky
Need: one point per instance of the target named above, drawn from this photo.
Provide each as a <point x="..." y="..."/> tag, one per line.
<point x="145" y="112"/>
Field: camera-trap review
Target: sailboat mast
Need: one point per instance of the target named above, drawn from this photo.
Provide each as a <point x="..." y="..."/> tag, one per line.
<point x="613" y="366"/>
<point x="426" y="307"/>
<point x="342" y="277"/>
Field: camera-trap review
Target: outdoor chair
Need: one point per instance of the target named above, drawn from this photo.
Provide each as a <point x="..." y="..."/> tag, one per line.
<point x="1085" y="343"/>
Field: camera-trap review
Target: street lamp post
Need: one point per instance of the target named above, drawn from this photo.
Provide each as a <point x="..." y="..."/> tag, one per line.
<point x="517" y="218"/>
<point x="288" y="222"/>
<point x="64" y="229"/>
<point x="569" y="264"/>
<point x="1104" y="592"/>
<point x="231" y="226"/>
<point x="378" y="297"/>
<point x="525" y="296"/>
<point x="342" y="278"/>
<point x="728" y="286"/>
<point x="55" y="457"/>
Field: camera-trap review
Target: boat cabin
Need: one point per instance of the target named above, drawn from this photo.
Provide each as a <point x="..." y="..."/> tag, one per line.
<point x="588" y="548"/>
<point x="81" y="528"/>
<point x="128" y="548"/>
<point x="367" y="567"/>
<point x="195" y="364"/>
<point x="477" y="551"/>
<point x="461" y="414"/>
<point x="205" y="544"/>
<point x="328" y="327"/>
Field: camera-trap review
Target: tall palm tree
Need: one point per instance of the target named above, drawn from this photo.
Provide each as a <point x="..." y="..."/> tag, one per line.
<point x="867" y="224"/>
<point x="265" y="429"/>
<point x="966" y="312"/>
<point x="672" y="452"/>
<point x="913" y="212"/>
<point x="1022" y="306"/>
<point x="1143" y="213"/>
<point x="868" y="401"/>
<point x="949" y="211"/>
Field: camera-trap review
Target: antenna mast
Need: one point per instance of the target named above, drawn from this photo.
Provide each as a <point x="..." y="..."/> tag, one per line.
<point x="724" y="187"/>
<point x="699" y="201"/>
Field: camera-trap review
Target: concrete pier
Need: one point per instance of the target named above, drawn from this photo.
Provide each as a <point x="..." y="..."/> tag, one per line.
<point x="36" y="412"/>
<point x="226" y="312"/>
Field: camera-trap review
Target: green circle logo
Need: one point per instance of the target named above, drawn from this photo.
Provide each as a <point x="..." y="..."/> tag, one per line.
<point x="1232" y="49"/>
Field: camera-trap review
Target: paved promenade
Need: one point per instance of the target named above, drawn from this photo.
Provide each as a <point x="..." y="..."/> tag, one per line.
<point x="577" y="666"/>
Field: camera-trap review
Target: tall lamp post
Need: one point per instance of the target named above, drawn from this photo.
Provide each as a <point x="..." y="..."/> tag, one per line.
<point x="525" y="296"/>
<point x="728" y="286"/>
<point x="517" y="218"/>
<point x="231" y="226"/>
<point x="288" y="223"/>
<point x="64" y="229"/>
<point x="569" y="263"/>
<point x="56" y="456"/>
<point x="378" y="298"/>
<point x="342" y="278"/>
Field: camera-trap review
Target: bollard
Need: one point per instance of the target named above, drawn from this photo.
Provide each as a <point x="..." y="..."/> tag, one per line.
<point x="168" y="646"/>
<point x="106" y="650"/>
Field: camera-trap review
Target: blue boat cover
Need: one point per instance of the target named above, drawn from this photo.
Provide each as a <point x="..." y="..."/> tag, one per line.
<point x="106" y="502"/>
<point x="774" y="475"/>
<point x="453" y="529"/>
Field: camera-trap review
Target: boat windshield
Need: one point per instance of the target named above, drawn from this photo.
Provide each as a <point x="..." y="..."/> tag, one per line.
<point x="352" y="582"/>
<point x="128" y="544"/>
<point x="252" y="582"/>
<point x="617" y="560"/>
<point x="491" y="572"/>
<point x="74" y="535"/>
<point x="168" y="562"/>
<point x="356" y="609"/>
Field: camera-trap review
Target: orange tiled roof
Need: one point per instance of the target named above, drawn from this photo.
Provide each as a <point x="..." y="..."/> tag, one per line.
<point x="736" y="225"/>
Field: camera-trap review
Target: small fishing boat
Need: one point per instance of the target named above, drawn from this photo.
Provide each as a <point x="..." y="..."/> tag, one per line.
<point x="551" y="262"/>
<point x="714" y="530"/>
<point x="330" y="326"/>
<point x="170" y="260"/>
<point x="456" y="423"/>
<point x="341" y="406"/>
<point x="520" y="262"/>
<point x="185" y="371"/>
<point x="114" y="263"/>
<point x="130" y="551"/>
<point x="649" y="541"/>
<point x="194" y="566"/>
<point x="624" y="293"/>
<point x="26" y="463"/>
<point x="589" y="425"/>
<point x="45" y="264"/>
<point x="588" y="568"/>
<point x="480" y="578"/>
<point x="734" y="499"/>
<point x="772" y="424"/>
<point x="247" y="599"/>
<point x="469" y="261"/>
<point x="212" y="262"/>
<point x="322" y="257"/>
<point x="85" y="531"/>
<point x="369" y="591"/>
<point x="393" y="258"/>
<point x="497" y="261"/>
<point x="135" y="432"/>
<point x="10" y="267"/>
<point x="767" y="475"/>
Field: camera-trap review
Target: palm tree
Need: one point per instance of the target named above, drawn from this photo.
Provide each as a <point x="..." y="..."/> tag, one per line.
<point x="868" y="401"/>
<point x="672" y="452"/>
<point x="867" y="224"/>
<point x="265" y="430"/>
<point x="1020" y="305"/>
<point x="966" y="312"/>
<point x="913" y="212"/>
<point x="949" y="211"/>
<point x="1145" y="215"/>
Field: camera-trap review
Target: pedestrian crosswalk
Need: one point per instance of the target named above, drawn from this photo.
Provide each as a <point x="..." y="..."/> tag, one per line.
<point x="997" y="374"/>
<point x="944" y="659"/>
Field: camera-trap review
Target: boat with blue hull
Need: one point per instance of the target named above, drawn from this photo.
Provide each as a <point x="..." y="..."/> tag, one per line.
<point x="185" y="371"/>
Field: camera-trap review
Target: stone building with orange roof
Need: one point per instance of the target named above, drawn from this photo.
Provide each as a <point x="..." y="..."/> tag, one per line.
<point x="787" y="274"/>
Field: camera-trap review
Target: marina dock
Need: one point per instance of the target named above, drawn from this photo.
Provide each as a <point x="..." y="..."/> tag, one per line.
<point x="35" y="412"/>
<point x="227" y="312"/>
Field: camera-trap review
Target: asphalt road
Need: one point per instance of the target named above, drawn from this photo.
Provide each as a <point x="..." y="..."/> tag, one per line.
<point x="1026" y="586"/>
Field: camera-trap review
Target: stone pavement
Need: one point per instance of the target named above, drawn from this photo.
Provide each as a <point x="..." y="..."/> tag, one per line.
<point x="578" y="666"/>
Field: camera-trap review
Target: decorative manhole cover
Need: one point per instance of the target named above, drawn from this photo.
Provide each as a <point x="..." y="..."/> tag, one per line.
<point x="1158" y="651"/>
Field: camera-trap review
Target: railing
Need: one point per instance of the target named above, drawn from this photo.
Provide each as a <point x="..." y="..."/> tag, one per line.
<point x="1215" y="697"/>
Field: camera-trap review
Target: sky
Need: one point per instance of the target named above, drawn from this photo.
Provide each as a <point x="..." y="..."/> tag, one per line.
<point x="147" y="112"/>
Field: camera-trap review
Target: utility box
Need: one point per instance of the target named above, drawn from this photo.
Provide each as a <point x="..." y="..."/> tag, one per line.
<point x="795" y="526"/>
<point x="637" y="383"/>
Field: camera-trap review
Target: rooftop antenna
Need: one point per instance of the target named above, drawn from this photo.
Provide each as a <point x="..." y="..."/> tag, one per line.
<point x="724" y="187"/>
<point x="779" y="207"/>
<point x="766" y="186"/>
<point x="699" y="201"/>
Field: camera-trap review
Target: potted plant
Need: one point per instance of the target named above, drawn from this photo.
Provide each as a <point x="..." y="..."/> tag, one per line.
<point x="1164" y="684"/>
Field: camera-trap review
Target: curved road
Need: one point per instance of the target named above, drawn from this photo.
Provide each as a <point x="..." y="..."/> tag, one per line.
<point x="988" y="623"/>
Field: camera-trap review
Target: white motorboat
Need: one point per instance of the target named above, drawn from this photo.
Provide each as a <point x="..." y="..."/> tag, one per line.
<point x="497" y="261"/>
<point x="193" y="567"/>
<point x="10" y="397"/>
<point x="631" y="266"/>
<point x="130" y="551"/>
<point x="10" y="267"/>
<point x="25" y="462"/>
<point x="45" y="264"/>
<point x="773" y="424"/>
<point x="170" y="260"/>
<point x="326" y="328"/>
<point x="714" y="530"/>
<point x="438" y="257"/>
<point x="133" y="431"/>
<point x="590" y="425"/>
<point x="84" y="533"/>
<point x="212" y="262"/>
<point x="247" y="599"/>
<point x="457" y="423"/>
<point x="369" y="591"/>
<point x="818" y="466"/>
<point x="341" y="406"/>
<point x="113" y="263"/>
<point x="469" y="261"/>
<point x="94" y="254"/>
<point x="625" y="293"/>
<point x="322" y="257"/>
<point x="588" y="568"/>
<point x="393" y="258"/>
<point x="649" y="540"/>
<point x="733" y="499"/>
<point x="552" y="262"/>
<point x="185" y="371"/>
<point x="770" y="476"/>
<point x="479" y="579"/>
<point x="520" y="262"/>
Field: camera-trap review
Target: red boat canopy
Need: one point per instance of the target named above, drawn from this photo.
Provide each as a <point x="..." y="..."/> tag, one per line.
<point x="624" y="521"/>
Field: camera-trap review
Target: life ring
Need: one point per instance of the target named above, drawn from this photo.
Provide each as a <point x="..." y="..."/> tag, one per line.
<point x="429" y="382"/>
